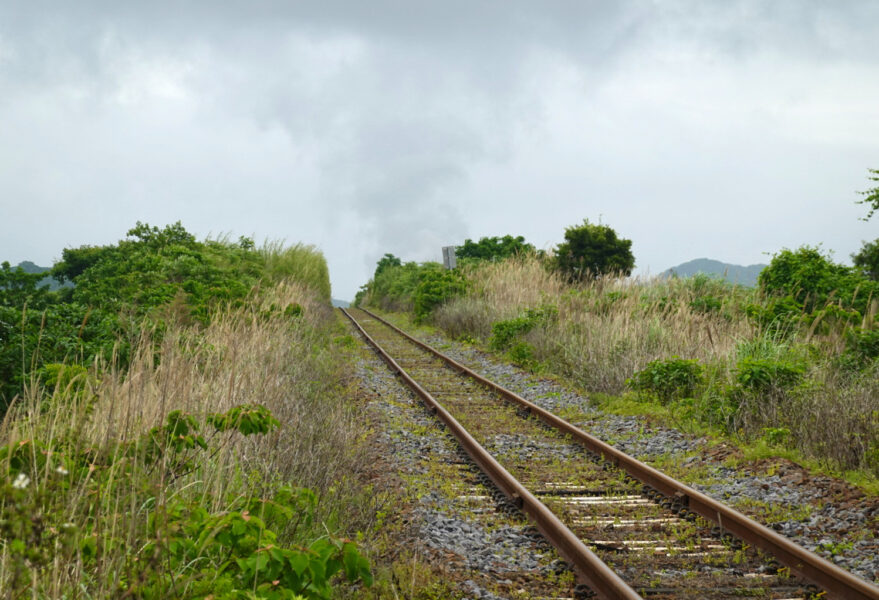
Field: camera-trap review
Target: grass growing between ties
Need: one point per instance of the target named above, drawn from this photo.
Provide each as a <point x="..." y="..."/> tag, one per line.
<point x="210" y="452"/>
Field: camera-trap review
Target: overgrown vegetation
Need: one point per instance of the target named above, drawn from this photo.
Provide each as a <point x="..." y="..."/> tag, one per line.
<point x="175" y="427"/>
<point x="795" y="360"/>
<point x="494" y="248"/>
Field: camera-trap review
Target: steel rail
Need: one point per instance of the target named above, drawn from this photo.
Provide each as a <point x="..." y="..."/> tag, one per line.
<point x="836" y="582"/>
<point x="592" y="571"/>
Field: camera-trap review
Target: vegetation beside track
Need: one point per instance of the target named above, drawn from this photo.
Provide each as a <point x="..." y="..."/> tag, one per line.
<point x="177" y="426"/>
<point x="790" y="367"/>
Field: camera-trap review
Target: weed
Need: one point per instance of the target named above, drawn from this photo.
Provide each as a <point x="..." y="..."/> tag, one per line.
<point x="668" y="379"/>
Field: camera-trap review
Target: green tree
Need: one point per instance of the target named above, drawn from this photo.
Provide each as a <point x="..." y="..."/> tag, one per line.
<point x="871" y="196"/>
<point x="867" y="260"/>
<point x="590" y="250"/>
<point x="493" y="248"/>
<point x="74" y="261"/>
<point x="385" y="262"/>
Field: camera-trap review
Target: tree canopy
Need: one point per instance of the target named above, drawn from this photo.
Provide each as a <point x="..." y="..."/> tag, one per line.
<point x="385" y="262"/>
<point x="493" y="248"/>
<point x="590" y="250"/>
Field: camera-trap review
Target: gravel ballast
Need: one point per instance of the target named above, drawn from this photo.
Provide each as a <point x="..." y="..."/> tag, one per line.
<point x="491" y="551"/>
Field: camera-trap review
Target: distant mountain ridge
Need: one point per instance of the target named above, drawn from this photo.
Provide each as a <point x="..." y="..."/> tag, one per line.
<point x="738" y="274"/>
<point x="29" y="267"/>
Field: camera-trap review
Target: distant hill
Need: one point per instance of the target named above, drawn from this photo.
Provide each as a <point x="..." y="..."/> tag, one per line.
<point x="341" y="303"/>
<point x="29" y="267"/>
<point x="746" y="276"/>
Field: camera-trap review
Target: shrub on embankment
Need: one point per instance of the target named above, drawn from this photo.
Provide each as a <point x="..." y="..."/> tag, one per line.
<point x="793" y="363"/>
<point x="213" y="456"/>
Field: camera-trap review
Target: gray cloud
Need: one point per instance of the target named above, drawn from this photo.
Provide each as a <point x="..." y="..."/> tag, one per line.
<point x="725" y="129"/>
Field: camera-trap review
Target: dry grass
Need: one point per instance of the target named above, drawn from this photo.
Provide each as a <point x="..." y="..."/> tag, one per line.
<point x="254" y="355"/>
<point x="606" y="329"/>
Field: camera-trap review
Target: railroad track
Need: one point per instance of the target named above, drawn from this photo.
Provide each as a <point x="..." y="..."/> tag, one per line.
<point x="627" y="530"/>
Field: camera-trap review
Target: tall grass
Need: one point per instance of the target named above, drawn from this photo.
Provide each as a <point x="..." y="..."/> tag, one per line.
<point x="301" y="263"/>
<point x="70" y="445"/>
<point x="608" y="327"/>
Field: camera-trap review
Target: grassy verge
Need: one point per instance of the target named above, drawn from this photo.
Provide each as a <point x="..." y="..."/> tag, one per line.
<point x="216" y="455"/>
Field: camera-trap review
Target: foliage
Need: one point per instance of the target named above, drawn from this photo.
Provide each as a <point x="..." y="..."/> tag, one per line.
<point x="766" y="376"/>
<point x="246" y="418"/>
<point x="386" y="261"/>
<point x="61" y="333"/>
<point x="776" y="314"/>
<point x="867" y="259"/>
<point x="591" y="250"/>
<point x="861" y="347"/>
<point x="189" y="551"/>
<point x="394" y="285"/>
<point x="493" y="248"/>
<point x="668" y="379"/>
<point x="504" y="333"/>
<point x="18" y="288"/>
<point x="434" y="288"/>
<point x="871" y="196"/>
<point x="812" y="280"/>
<point x="154" y="275"/>
<point x="420" y="288"/>
<point x="156" y="267"/>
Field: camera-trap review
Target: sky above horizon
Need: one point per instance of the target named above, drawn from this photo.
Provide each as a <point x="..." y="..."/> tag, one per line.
<point x="720" y="129"/>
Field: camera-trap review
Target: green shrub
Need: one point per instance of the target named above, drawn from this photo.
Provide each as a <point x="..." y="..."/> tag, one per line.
<point x="763" y="375"/>
<point x="393" y="286"/>
<point x="434" y="288"/>
<point x="668" y="379"/>
<point x="503" y="333"/>
<point x="776" y="314"/>
<point x="813" y="280"/>
<point x="522" y="353"/>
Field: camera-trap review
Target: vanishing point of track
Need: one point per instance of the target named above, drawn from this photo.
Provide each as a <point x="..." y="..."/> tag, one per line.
<point x="627" y="530"/>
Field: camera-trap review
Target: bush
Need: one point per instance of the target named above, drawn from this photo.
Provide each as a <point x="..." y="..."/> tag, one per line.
<point x="434" y="288"/>
<point x="668" y="379"/>
<point x="503" y="333"/>
<point x="766" y="376"/>
<point x="812" y="280"/>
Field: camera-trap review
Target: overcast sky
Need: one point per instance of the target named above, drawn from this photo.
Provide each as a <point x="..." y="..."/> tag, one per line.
<point x="722" y="129"/>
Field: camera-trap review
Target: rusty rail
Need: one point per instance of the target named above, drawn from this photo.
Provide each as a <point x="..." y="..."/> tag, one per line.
<point x="591" y="569"/>
<point x="836" y="582"/>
